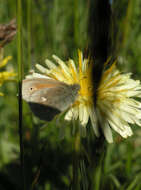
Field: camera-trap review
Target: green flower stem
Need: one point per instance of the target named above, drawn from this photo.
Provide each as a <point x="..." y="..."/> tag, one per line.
<point x="76" y="23"/>
<point x="29" y="4"/>
<point x="75" y="181"/>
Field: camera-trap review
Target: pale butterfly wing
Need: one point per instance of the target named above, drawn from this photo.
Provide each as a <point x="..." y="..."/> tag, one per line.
<point x="48" y="97"/>
<point x="30" y="86"/>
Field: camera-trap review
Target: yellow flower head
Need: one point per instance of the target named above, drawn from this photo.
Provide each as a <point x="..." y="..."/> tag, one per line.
<point x="5" y="75"/>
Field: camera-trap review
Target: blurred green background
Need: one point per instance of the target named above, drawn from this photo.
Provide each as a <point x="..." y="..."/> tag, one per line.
<point x="61" y="27"/>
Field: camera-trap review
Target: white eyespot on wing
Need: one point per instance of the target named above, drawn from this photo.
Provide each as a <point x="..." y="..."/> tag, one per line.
<point x="43" y="99"/>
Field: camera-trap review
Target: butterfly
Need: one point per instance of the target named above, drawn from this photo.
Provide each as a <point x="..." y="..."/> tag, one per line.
<point x="48" y="97"/>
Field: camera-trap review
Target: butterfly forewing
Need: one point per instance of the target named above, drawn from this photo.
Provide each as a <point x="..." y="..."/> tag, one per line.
<point x="48" y="96"/>
<point x="30" y="86"/>
<point x="60" y="97"/>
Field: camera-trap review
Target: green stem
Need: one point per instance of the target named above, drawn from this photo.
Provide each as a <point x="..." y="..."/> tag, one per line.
<point x="75" y="182"/>
<point x="19" y="59"/>
<point x="76" y="24"/>
<point x="54" y="24"/>
<point x="29" y="32"/>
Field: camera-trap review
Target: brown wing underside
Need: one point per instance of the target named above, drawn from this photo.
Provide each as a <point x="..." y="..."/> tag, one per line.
<point x="60" y="97"/>
<point x="48" y="97"/>
<point x="30" y="86"/>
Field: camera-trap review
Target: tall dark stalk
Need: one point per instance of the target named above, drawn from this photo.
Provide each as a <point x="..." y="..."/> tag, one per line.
<point x="99" y="37"/>
<point x="99" y="49"/>
<point x="19" y="59"/>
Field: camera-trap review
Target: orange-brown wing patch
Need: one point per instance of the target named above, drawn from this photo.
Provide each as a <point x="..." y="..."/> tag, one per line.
<point x="47" y="85"/>
<point x="37" y="83"/>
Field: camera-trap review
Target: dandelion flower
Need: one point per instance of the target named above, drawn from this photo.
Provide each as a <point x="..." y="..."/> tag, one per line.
<point x="115" y="108"/>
